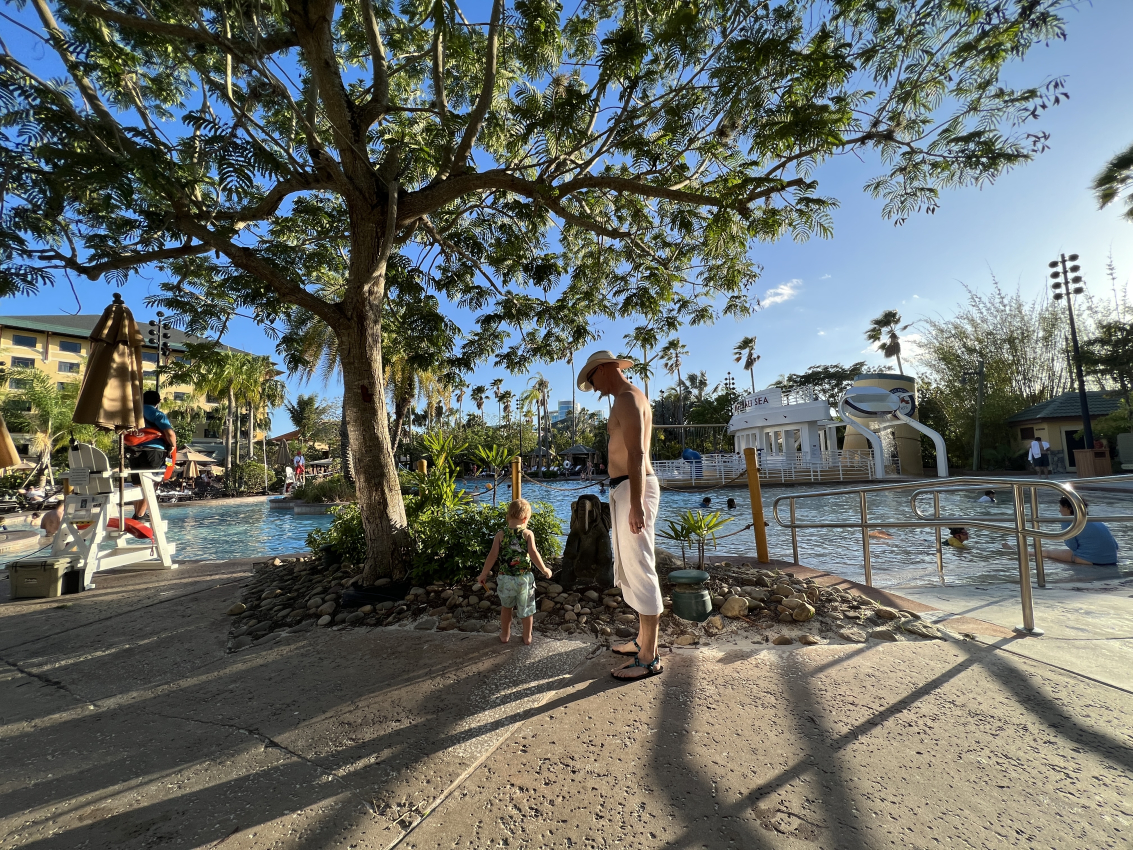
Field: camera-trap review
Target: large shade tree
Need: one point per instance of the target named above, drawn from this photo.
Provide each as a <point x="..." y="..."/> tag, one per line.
<point x="541" y="165"/>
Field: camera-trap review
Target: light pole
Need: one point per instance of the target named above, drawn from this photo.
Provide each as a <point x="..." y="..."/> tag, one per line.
<point x="978" y="374"/>
<point x="159" y="338"/>
<point x="1069" y="286"/>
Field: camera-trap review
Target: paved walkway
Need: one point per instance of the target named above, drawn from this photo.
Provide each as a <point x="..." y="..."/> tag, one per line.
<point x="123" y="724"/>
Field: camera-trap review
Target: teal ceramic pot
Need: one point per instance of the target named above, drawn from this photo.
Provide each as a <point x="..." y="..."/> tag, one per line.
<point x="691" y="599"/>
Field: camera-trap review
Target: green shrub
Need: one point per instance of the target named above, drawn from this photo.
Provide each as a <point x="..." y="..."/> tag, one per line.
<point x="344" y="536"/>
<point x="245" y="477"/>
<point x="450" y="543"/>
<point x="333" y="488"/>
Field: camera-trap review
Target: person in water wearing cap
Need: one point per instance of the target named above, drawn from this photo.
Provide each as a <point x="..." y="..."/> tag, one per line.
<point x="635" y="496"/>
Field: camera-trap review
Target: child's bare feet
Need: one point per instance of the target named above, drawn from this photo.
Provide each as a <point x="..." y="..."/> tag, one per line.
<point x="527" y="640"/>
<point x="505" y="637"/>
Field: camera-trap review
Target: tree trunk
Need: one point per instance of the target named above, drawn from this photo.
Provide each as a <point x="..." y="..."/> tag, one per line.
<point x="379" y="491"/>
<point x="252" y="432"/>
<point x="229" y="439"/>
<point x="345" y="455"/>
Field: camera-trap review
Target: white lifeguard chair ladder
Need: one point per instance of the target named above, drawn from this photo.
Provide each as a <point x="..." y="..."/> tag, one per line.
<point x="94" y="500"/>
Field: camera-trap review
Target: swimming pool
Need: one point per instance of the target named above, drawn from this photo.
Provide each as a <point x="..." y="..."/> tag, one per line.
<point x="221" y="530"/>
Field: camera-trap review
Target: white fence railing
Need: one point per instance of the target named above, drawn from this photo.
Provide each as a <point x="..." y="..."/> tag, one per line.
<point x="784" y="466"/>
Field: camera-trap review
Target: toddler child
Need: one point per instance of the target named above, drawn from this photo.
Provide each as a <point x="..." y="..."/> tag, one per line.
<point x="515" y="546"/>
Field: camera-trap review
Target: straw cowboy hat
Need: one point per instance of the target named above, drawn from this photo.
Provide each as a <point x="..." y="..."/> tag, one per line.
<point x="598" y="358"/>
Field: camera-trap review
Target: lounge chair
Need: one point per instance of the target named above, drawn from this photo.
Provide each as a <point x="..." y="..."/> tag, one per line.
<point x="93" y="504"/>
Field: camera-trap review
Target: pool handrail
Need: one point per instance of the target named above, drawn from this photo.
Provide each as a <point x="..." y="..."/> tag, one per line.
<point x="1018" y="525"/>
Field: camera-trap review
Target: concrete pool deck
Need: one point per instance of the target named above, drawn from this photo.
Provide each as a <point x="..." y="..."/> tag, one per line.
<point x="124" y="724"/>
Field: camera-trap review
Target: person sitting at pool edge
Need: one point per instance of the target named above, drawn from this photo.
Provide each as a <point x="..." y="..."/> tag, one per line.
<point x="958" y="538"/>
<point x="1093" y="546"/>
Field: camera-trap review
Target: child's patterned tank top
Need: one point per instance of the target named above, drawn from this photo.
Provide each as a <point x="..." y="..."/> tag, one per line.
<point x="514" y="560"/>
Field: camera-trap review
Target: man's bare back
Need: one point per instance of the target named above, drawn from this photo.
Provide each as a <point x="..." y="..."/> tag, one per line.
<point x="630" y="407"/>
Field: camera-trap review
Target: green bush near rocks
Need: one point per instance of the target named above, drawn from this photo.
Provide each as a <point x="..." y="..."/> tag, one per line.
<point x="333" y="488"/>
<point x="450" y="542"/>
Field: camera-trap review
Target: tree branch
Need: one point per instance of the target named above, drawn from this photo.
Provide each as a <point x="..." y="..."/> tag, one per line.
<point x="484" y="102"/>
<point x="124" y="261"/>
<point x="379" y="101"/>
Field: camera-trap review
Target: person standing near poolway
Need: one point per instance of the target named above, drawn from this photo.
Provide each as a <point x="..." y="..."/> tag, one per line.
<point x="1039" y="456"/>
<point x="635" y="496"/>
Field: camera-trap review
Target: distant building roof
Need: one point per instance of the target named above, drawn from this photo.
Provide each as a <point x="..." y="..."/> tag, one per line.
<point x="1067" y="406"/>
<point x="82" y="325"/>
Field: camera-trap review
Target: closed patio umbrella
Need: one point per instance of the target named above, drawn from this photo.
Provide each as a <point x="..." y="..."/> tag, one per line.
<point x="111" y="393"/>
<point x="283" y="456"/>
<point x="8" y="454"/>
<point x="190" y="471"/>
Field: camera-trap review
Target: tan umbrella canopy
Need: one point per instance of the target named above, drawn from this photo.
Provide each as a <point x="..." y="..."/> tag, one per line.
<point x="111" y="394"/>
<point x="190" y="471"/>
<point x="192" y="456"/>
<point x="8" y="454"/>
<point x="283" y="456"/>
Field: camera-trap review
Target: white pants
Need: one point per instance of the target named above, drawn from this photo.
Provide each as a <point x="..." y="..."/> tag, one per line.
<point x="635" y="563"/>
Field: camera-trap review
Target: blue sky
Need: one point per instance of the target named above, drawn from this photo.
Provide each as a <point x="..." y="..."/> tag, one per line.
<point x="824" y="292"/>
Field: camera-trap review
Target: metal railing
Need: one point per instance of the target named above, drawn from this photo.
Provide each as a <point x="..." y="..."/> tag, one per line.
<point x="1018" y="524"/>
<point x="773" y="466"/>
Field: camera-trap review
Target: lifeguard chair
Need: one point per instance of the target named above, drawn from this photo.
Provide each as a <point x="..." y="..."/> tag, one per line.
<point x="89" y="529"/>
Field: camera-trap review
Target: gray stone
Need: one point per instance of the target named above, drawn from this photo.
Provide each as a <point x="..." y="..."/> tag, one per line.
<point x="539" y="617"/>
<point x="326" y="620"/>
<point x="326" y="608"/>
<point x="623" y="632"/>
<point x="734" y="607"/>
<point x="238" y="608"/>
<point x="852" y="635"/>
<point x="471" y="625"/>
<point x="612" y="591"/>
<point x="611" y="602"/>
<point x="626" y="618"/>
<point x="714" y="622"/>
<point x="554" y="589"/>
<point x="782" y="640"/>
<point x="883" y="634"/>
<point x="356" y="617"/>
<point x="886" y="613"/>
<point x="259" y="629"/>
<point x="340" y="617"/>
<point x="686" y="640"/>
<point x="484" y="605"/>
<point x="546" y="606"/>
<point x="490" y="628"/>
<point x="810" y="640"/>
<point x="592" y="595"/>
<point x="802" y="613"/>
<point x="382" y="582"/>
<point x="570" y="617"/>
<point x="426" y="624"/>
<point x="922" y="629"/>
<point x="717" y="602"/>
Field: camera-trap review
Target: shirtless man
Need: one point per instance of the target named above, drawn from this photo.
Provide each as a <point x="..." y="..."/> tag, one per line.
<point x="635" y="497"/>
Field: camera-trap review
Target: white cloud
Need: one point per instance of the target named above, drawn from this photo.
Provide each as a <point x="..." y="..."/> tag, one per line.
<point x="822" y="333"/>
<point x="825" y="277"/>
<point x="783" y="292"/>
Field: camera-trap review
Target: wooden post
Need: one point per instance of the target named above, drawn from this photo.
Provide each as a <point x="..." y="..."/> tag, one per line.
<point x="423" y="466"/>
<point x="762" y="555"/>
<point x="516" y="479"/>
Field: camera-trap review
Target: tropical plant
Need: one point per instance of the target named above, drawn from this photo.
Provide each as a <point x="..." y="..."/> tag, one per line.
<point x="827" y="382"/>
<point x="745" y="351"/>
<point x="550" y="167"/>
<point x="884" y="332"/>
<point x="672" y="355"/>
<point x="248" y="476"/>
<point x="1116" y="178"/>
<point x="1108" y="355"/>
<point x="311" y="417"/>
<point x="495" y="458"/>
<point x="330" y="489"/>
<point x="479" y="392"/>
<point x="36" y="404"/>
<point x="695" y="528"/>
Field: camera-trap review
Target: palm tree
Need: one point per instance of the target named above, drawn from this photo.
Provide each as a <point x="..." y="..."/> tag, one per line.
<point x="309" y="416"/>
<point x="261" y="391"/>
<point x="478" y="394"/>
<point x="1116" y="177"/>
<point x="215" y="371"/>
<point x="745" y="351"/>
<point x="698" y="386"/>
<point x="645" y="339"/>
<point x="497" y="386"/>
<point x="672" y="355"/>
<point x="37" y="406"/>
<point x="883" y="332"/>
<point x="460" y="386"/>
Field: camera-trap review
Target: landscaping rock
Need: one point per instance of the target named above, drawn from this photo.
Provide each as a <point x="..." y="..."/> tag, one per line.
<point x="886" y="613"/>
<point x="382" y="582"/>
<point x="852" y="635"/>
<point x="714" y="622"/>
<point x="489" y="628"/>
<point x="356" y="617"/>
<point x="623" y="632"/>
<point x="326" y="608"/>
<point x="717" y="602"/>
<point x="554" y="589"/>
<point x="810" y="640"/>
<point x="782" y="640"/>
<point x="546" y="606"/>
<point x="426" y="624"/>
<point x="734" y="607"/>
<point x="613" y="591"/>
<point x="922" y="629"/>
<point x="803" y="613"/>
<point x="626" y="618"/>
<point x="471" y="625"/>
<point x="686" y="640"/>
<point x="611" y="602"/>
<point x="570" y="617"/>
<point x="592" y="595"/>
<point x="883" y="634"/>
<point x="447" y="626"/>
<point x="326" y="620"/>
<point x="238" y="608"/>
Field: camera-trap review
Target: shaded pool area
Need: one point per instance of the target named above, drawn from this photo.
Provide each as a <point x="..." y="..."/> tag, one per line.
<point x="217" y="531"/>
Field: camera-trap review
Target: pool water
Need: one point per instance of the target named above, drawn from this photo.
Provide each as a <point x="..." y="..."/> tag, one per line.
<point x="216" y="531"/>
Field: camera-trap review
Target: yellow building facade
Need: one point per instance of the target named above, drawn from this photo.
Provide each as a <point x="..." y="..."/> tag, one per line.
<point x="59" y="346"/>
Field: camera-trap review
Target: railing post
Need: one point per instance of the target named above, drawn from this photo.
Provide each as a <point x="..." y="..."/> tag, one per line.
<point x="516" y="479"/>
<point x="758" y="526"/>
<point x="1028" y="627"/>
<point x="865" y="542"/>
<point x="939" y="546"/>
<point x="794" y="534"/>
<point x="1040" y="567"/>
